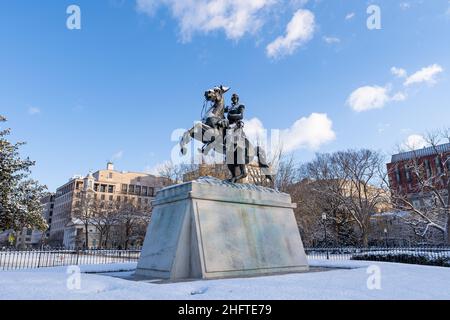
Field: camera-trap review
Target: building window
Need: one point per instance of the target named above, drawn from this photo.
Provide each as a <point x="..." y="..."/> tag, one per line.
<point x="428" y="168"/>
<point x="151" y="192"/>
<point x="110" y="198"/>
<point x="438" y="163"/>
<point x="124" y="188"/>
<point x="138" y="190"/>
<point x="398" y="176"/>
<point x="118" y="199"/>
<point x="103" y="188"/>
<point x="102" y="197"/>
<point x="96" y="187"/>
<point x="408" y="174"/>
<point x="110" y="175"/>
<point x="110" y="189"/>
<point x="131" y="188"/>
<point x="138" y="179"/>
<point x="144" y="191"/>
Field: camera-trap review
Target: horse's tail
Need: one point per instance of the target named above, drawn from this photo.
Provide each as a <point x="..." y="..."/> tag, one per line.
<point x="263" y="163"/>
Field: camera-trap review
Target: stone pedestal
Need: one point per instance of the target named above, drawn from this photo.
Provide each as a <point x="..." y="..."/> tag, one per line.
<point x="208" y="229"/>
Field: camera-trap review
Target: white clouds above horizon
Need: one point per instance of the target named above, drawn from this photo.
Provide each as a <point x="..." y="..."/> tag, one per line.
<point x="405" y="5"/>
<point x="298" y="31"/>
<point x="350" y="16"/>
<point x="235" y="18"/>
<point x="33" y="111"/>
<point x="368" y="98"/>
<point x="376" y="97"/>
<point x="238" y="18"/>
<point x="373" y="97"/>
<point x="116" y="156"/>
<point x="331" y="40"/>
<point x="414" y="142"/>
<point x="306" y="133"/>
<point x="427" y="75"/>
<point x="399" y="72"/>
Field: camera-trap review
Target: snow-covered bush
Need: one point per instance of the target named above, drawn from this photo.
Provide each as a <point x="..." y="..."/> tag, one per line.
<point x="441" y="259"/>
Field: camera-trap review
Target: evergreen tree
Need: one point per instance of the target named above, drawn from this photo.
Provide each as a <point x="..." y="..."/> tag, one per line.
<point x="20" y="196"/>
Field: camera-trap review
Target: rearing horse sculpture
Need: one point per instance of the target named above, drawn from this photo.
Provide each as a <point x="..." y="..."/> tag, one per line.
<point x="215" y="132"/>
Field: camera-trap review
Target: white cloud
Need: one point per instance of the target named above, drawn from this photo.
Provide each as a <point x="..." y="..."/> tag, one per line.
<point x="427" y="75"/>
<point x="399" y="72"/>
<point x="368" y="98"/>
<point x="405" y="5"/>
<point x="399" y="96"/>
<point x="255" y="131"/>
<point x="307" y="132"/>
<point x="118" y="155"/>
<point x="373" y="97"/>
<point x="350" y="16"/>
<point x="33" y="111"/>
<point x="299" y="31"/>
<point x="382" y="127"/>
<point x="414" y="142"/>
<point x="236" y="18"/>
<point x="331" y="40"/>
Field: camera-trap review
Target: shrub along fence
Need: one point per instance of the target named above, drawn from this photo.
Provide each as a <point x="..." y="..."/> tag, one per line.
<point x="424" y="255"/>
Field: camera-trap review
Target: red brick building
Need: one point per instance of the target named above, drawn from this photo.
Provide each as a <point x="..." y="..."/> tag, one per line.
<point x="433" y="163"/>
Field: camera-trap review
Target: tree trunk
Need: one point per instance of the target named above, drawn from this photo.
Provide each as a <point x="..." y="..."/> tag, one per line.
<point x="86" y="235"/>
<point x="364" y="237"/>
<point x="106" y="237"/>
<point x="100" y="240"/>
<point x="127" y="236"/>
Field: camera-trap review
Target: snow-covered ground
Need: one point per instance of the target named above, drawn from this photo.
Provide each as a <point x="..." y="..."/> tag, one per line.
<point x="351" y="281"/>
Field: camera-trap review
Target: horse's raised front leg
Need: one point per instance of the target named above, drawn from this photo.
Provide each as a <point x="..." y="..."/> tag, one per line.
<point x="187" y="136"/>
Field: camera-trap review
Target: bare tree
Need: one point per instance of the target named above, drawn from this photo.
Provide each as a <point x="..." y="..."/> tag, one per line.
<point x="424" y="185"/>
<point x="104" y="217"/>
<point x="174" y="173"/>
<point x="83" y="211"/>
<point x="132" y="219"/>
<point x="349" y="182"/>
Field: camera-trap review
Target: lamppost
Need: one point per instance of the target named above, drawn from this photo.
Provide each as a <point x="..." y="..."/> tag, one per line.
<point x="386" y="237"/>
<point x="324" y="220"/>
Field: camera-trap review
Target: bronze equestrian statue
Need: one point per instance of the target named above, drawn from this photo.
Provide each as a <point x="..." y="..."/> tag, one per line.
<point x="226" y="135"/>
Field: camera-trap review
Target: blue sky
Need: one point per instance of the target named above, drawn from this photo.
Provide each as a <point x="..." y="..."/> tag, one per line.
<point x="117" y="88"/>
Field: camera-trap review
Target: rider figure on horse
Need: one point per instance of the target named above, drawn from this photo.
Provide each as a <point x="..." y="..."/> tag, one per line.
<point x="235" y="113"/>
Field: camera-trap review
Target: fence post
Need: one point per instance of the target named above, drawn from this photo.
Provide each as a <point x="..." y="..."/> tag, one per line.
<point x="39" y="259"/>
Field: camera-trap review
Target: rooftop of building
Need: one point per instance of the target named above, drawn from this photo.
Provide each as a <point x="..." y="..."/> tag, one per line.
<point x="424" y="152"/>
<point x="109" y="168"/>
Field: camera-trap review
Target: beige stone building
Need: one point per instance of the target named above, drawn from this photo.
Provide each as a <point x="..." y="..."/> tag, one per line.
<point x="107" y="185"/>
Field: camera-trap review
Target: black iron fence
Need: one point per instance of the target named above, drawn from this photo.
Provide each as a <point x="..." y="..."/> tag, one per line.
<point x="27" y="259"/>
<point x="426" y="255"/>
